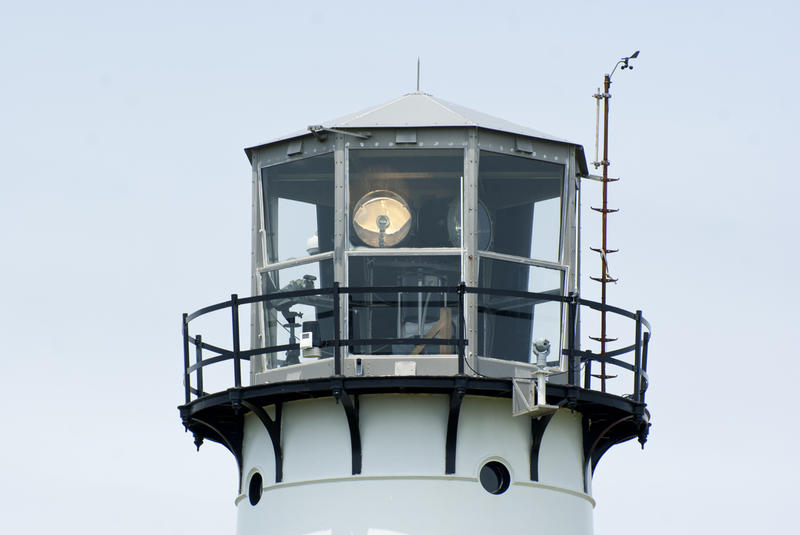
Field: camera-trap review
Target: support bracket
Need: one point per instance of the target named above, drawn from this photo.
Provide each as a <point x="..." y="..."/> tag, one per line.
<point x="456" y="397"/>
<point x="273" y="428"/>
<point x="538" y="426"/>
<point x="232" y="442"/>
<point x="596" y="440"/>
<point x="350" y="406"/>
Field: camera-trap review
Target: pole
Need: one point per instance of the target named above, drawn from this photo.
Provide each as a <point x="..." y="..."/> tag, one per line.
<point x="604" y="282"/>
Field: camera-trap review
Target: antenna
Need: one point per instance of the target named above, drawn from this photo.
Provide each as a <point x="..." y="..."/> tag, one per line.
<point x="604" y="251"/>
<point x="418" y="73"/>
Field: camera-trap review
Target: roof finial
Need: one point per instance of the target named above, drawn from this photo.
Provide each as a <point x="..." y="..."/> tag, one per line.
<point x="417" y="74"/>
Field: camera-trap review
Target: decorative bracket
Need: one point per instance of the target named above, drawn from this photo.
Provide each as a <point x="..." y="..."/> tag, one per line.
<point x="233" y="443"/>
<point x="596" y="441"/>
<point x="351" y="412"/>
<point x="456" y="397"/>
<point x="273" y="428"/>
<point x="538" y="426"/>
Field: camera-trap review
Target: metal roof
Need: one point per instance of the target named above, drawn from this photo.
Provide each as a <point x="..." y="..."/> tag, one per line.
<point x="419" y="110"/>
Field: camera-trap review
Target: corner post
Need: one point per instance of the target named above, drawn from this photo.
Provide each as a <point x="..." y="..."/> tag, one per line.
<point x="337" y="331"/>
<point x="237" y="359"/>
<point x="461" y="341"/>
<point x="186" y="376"/>
<point x="637" y="362"/>
<point x="199" y="354"/>
<point x="571" y="325"/>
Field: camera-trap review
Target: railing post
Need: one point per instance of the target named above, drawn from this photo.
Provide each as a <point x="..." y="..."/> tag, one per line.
<point x="637" y="363"/>
<point x="461" y="352"/>
<point x="186" y="376"/>
<point x="199" y="354"/>
<point x="337" y="331"/>
<point x="587" y="373"/>
<point x="572" y="316"/>
<point x="237" y="359"/>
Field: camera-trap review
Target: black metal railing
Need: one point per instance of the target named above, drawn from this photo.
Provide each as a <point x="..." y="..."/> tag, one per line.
<point x="577" y="360"/>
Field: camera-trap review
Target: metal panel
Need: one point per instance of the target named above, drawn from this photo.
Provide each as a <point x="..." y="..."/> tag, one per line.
<point x="295" y="147"/>
<point x="276" y="153"/>
<point x="426" y="138"/>
<point x="523" y="144"/>
<point x="406" y="135"/>
<point x="506" y="143"/>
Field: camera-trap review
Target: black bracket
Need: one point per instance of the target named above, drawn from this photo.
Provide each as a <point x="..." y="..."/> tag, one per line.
<point x="351" y="411"/>
<point x="572" y="398"/>
<point x="232" y="442"/>
<point x="596" y="440"/>
<point x="538" y="426"/>
<point x="273" y="428"/>
<point x="642" y="425"/>
<point x="456" y="397"/>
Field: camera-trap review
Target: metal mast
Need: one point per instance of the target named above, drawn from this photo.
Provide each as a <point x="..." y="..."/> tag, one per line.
<point x="604" y="251"/>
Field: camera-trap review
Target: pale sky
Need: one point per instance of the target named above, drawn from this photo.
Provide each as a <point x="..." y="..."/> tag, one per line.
<point x="125" y="201"/>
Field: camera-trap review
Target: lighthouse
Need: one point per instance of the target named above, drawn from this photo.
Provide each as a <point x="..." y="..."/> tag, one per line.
<point x="418" y="358"/>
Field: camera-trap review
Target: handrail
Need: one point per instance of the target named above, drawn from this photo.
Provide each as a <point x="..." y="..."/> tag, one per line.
<point x="574" y="356"/>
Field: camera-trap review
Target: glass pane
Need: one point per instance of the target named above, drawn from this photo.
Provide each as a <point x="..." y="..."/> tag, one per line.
<point x="427" y="314"/>
<point x="298" y="200"/>
<point x="508" y="326"/>
<point x="405" y="198"/>
<point x="286" y="319"/>
<point x="522" y="200"/>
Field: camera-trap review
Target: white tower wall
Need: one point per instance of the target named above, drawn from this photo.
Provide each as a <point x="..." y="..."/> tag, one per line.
<point x="402" y="488"/>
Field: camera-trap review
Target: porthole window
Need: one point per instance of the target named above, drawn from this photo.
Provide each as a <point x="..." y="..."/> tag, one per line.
<point x="255" y="488"/>
<point x="494" y="477"/>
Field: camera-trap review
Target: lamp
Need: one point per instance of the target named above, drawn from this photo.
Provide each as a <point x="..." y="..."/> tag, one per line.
<point x="381" y="218"/>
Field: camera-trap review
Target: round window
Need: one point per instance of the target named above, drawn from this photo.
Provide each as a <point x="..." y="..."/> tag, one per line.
<point x="255" y="488"/>
<point x="494" y="477"/>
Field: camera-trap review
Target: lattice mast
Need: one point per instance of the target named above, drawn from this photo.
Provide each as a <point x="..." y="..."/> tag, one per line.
<point x="603" y="250"/>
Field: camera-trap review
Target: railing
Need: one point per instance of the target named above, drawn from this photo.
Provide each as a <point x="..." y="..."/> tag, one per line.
<point x="577" y="360"/>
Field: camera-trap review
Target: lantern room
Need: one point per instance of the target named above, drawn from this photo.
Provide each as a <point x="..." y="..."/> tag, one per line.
<point x="400" y="204"/>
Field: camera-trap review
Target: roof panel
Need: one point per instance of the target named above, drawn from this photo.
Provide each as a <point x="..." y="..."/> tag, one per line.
<point x="422" y="110"/>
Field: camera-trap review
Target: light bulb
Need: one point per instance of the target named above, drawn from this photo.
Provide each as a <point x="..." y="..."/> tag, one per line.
<point x="381" y="218"/>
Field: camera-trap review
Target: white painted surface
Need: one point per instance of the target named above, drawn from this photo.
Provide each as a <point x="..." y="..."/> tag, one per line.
<point x="316" y="440"/>
<point x="433" y="506"/>
<point x="561" y="452"/>
<point x="403" y="434"/>
<point x="402" y="488"/>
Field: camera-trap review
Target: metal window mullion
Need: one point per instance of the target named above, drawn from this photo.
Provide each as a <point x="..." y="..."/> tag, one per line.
<point x="470" y="230"/>
<point x="340" y="227"/>
<point x="568" y="202"/>
<point x="406" y="251"/>
<point x="294" y="262"/>
<point x="522" y="260"/>
<point x="258" y="327"/>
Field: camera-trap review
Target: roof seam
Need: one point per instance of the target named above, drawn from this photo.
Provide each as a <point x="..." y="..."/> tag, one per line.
<point x="370" y="110"/>
<point x="441" y="105"/>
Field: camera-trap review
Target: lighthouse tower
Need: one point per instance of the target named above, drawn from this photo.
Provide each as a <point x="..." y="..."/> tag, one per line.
<point x="414" y="362"/>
